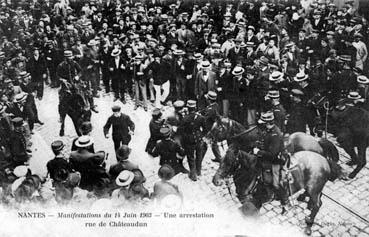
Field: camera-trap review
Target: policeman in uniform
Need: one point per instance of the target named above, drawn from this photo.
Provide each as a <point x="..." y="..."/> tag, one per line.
<point x="175" y="119"/>
<point x="211" y="114"/>
<point x="269" y="151"/>
<point x="192" y="128"/>
<point x="168" y="150"/>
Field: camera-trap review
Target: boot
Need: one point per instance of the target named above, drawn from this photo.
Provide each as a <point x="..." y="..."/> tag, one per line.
<point x="192" y="175"/>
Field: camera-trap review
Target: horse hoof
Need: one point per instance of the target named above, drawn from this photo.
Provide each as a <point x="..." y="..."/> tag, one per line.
<point x="351" y="163"/>
<point x="308" y="231"/>
<point x="352" y="175"/>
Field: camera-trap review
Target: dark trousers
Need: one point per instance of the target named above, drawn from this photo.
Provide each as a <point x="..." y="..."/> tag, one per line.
<point x="121" y="141"/>
<point x="106" y="80"/>
<point x="195" y="154"/>
<point x="181" y="88"/>
<point x="39" y="85"/>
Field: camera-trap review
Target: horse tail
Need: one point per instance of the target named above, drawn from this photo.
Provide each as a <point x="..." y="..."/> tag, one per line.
<point x="329" y="149"/>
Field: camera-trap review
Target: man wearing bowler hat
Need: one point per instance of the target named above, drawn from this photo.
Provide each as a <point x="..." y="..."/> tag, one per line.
<point x="117" y="67"/>
<point x="123" y="127"/>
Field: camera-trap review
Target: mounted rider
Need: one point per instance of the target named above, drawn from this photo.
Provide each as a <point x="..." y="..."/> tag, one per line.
<point x="269" y="151"/>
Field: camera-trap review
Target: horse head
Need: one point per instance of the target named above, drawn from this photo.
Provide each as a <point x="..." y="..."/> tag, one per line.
<point x="235" y="163"/>
<point x="227" y="166"/>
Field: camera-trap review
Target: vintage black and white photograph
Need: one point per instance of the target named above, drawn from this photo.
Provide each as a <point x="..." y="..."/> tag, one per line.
<point x="184" y="118"/>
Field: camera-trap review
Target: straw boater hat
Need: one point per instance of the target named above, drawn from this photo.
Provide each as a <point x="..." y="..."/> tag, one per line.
<point x="115" y="52"/>
<point x="179" y="52"/>
<point x="68" y="54"/>
<point x="363" y="79"/>
<point x="197" y="56"/>
<point x="125" y="178"/>
<point x="276" y="76"/>
<point x="273" y="94"/>
<point x="205" y="64"/>
<point x="20" y="97"/>
<point x="191" y="103"/>
<point x="237" y="71"/>
<point x="84" y="141"/>
<point x="300" y="77"/>
<point x="354" y="95"/>
<point x="266" y="117"/>
<point x="211" y="95"/>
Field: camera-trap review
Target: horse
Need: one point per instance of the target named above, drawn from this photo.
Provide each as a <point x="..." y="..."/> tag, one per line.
<point x="74" y="104"/>
<point x="350" y="124"/>
<point x="313" y="173"/>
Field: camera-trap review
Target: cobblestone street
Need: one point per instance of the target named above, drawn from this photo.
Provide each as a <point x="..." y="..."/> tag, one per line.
<point x="335" y="218"/>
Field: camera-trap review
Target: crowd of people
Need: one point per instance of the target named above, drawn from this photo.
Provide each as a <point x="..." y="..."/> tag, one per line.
<point x="259" y="63"/>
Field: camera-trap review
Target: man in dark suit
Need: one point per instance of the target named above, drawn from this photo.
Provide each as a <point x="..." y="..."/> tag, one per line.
<point x="36" y="66"/>
<point x="117" y="67"/>
<point x="205" y="82"/>
<point x="105" y="58"/>
<point x="123" y="127"/>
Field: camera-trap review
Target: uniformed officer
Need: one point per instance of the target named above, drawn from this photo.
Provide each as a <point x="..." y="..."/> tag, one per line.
<point x="168" y="150"/>
<point x="277" y="108"/>
<point x="193" y="128"/>
<point x="211" y="114"/>
<point x="270" y="150"/>
<point x="175" y="119"/>
<point x="155" y="124"/>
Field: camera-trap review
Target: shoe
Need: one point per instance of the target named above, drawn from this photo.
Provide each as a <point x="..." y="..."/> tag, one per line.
<point x="123" y="100"/>
<point x="192" y="176"/>
<point x="115" y="99"/>
<point x="351" y="163"/>
<point x="145" y="109"/>
<point x="39" y="122"/>
<point x="135" y="108"/>
<point x="97" y="96"/>
<point x="94" y="110"/>
<point x="216" y="160"/>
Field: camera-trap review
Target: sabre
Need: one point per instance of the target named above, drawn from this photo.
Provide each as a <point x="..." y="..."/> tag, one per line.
<point x="326" y="107"/>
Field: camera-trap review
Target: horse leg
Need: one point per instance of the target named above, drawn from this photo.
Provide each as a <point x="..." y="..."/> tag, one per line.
<point x="77" y="123"/>
<point x="347" y="144"/>
<point x="314" y="206"/>
<point x="361" y="161"/>
<point x="62" y="120"/>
